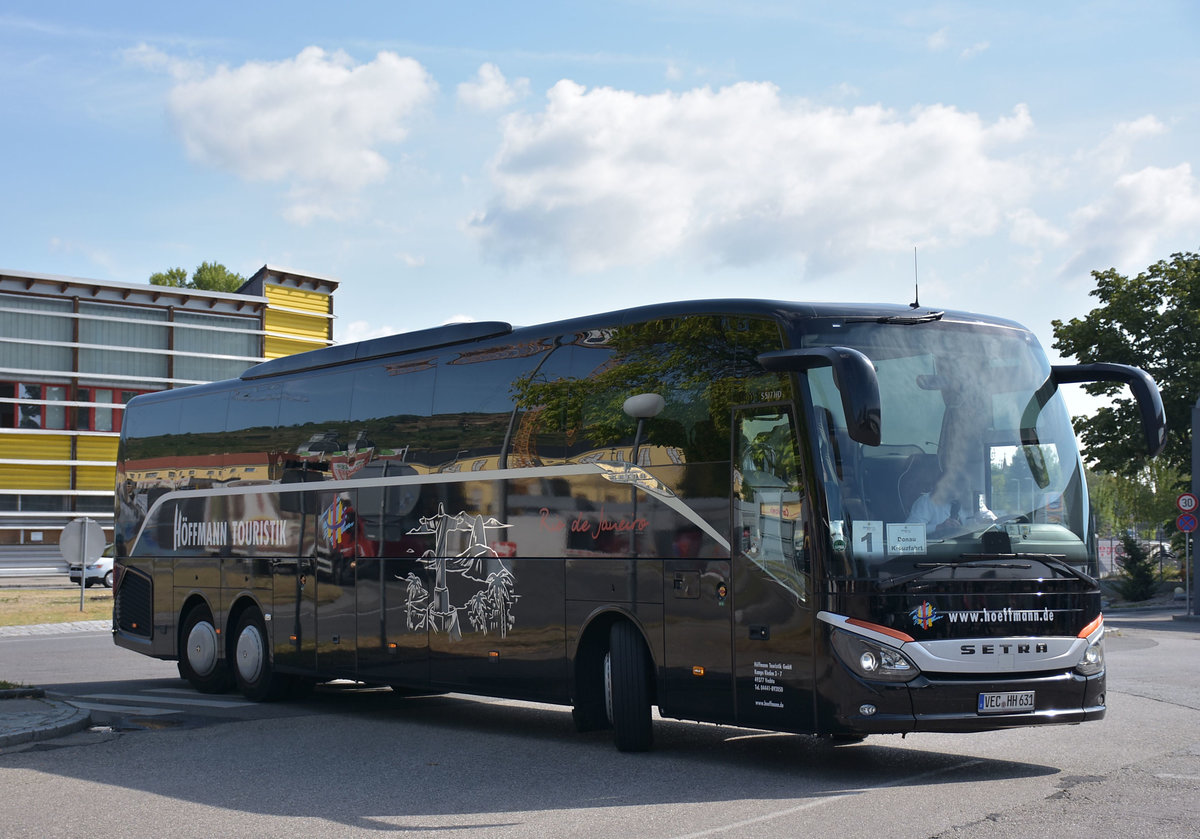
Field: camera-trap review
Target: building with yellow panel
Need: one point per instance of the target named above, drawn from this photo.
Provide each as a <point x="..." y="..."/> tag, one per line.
<point x="74" y="351"/>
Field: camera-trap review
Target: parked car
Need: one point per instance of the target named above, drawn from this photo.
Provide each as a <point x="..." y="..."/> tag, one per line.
<point x="100" y="571"/>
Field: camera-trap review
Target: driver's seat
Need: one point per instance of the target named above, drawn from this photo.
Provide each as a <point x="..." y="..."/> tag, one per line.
<point x="921" y="476"/>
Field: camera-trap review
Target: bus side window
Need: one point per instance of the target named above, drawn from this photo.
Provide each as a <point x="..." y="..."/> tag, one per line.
<point x="769" y="502"/>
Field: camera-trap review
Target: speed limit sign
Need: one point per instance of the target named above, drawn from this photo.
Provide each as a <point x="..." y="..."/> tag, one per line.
<point x="1187" y="502"/>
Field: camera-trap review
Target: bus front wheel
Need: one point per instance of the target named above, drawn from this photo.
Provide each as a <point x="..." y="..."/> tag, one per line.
<point x="199" y="662"/>
<point x="627" y="688"/>
<point x="256" y="678"/>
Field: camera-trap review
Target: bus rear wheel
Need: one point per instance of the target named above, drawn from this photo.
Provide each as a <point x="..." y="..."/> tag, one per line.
<point x="256" y="677"/>
<point x="199" y="662"/>
<point x="627" y="688"/>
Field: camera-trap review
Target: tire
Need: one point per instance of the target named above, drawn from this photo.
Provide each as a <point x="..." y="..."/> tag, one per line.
<point x="627" y="689"/>
<point x="589" y="712"/>
<point x="199" y="654"/>
<point x="108" y="577"/>
<point x="252" y="668"/>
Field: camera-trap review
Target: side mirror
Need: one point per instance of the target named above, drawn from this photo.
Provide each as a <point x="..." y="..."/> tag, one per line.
<point x="1145" y="390"/>
<point x="854" y="375"/>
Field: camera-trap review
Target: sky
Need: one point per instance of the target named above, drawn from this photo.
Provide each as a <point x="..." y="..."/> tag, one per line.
<point x="530" y="161"/>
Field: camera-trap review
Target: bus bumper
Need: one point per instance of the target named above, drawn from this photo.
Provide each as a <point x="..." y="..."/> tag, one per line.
<point x="940" y="704"/>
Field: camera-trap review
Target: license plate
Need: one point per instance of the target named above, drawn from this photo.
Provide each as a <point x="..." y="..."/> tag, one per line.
<point x="1013" y="702"/>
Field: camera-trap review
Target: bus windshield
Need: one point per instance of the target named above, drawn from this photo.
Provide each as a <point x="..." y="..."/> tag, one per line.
<point x="977" y="458"/>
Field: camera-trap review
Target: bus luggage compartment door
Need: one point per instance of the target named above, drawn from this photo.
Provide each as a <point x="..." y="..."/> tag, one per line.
<point x="697" y="651"/>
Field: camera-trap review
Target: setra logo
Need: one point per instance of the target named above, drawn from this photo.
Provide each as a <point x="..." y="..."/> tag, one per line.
<point x="925" y="615"/>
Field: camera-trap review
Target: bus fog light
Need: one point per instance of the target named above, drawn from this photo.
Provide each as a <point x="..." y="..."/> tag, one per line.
<point x="867" y="710"/>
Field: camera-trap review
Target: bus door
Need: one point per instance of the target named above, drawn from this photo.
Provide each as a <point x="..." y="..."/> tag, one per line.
<point x="772" y="629"/>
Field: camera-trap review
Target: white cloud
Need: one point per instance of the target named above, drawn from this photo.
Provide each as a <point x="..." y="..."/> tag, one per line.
<point x="360" y="330"/>
<point x="1115" y="150"/>
<point x="974" y="50"/>
<point x="1127" y="227"/>
<point x="1032" y="231"/>
<point x="489" y="90"/>
<point x="316" y="121"/>
<point x="736" y="175"/>
<point x="939" y="40"/>
<point x="152" y="58"/>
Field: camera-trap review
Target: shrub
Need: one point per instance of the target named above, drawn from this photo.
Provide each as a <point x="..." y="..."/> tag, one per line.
<point x="1138" y="579"/>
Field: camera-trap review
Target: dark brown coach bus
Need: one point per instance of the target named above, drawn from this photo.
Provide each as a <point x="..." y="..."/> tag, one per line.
<point x="833" y="519"/>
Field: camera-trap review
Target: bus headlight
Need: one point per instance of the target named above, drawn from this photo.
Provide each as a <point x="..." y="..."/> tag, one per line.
<point x="1093" y="659"/>
<point x="872" y="660"/>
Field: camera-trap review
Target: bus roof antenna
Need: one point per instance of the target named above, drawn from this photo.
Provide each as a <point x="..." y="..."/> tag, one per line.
<point x="916" y="304"/>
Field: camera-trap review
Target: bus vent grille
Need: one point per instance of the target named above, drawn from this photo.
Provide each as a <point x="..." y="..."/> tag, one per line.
<point x="133" y="605"/>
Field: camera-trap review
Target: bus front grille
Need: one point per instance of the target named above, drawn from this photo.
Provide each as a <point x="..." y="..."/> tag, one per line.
<point x="133" y="604"/>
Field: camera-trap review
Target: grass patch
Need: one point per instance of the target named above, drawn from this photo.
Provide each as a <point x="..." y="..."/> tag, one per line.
<point x="21" y="607"/>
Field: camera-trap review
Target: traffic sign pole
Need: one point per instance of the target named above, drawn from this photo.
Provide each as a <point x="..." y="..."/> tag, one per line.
<point x="1187" y="503"/>
<point x="82" y="541"/>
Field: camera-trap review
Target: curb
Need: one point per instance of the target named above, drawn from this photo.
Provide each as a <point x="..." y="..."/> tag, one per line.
<point x="31" y="716"/>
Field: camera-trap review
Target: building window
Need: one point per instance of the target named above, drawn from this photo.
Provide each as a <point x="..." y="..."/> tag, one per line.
<point x="126" y="327"/>
<point x="104" y="413"/>
<point x="32" y="405"/>
<point x="30" y="412"/>
<point x="8" y="408"/>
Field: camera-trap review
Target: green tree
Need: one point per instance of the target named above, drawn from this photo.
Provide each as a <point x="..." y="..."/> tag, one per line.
<point x="175" y="277"/>
<point x="1137" y="581"/>
<point x="1145" y="502"/>
<point x="1151" y="321"/>
<point x="208" y="276"/>
<point x="213" y="276"/>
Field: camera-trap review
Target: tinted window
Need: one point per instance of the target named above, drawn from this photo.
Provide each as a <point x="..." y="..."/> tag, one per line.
<point x="701" y="366"/>
<point x="147" y="425"/>
<point x="391" y="407"/>
<point x="314" y="413"/>
<point x="475" y="401"/>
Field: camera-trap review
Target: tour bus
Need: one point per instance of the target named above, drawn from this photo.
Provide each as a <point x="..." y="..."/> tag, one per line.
<point x="838" y="520"/>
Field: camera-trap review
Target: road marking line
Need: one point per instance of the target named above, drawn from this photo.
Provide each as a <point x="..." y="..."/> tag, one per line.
<point x="816" y="802"/>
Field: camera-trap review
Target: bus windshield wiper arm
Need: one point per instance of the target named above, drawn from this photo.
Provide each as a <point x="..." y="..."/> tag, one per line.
<point x="904" y="319"/>
<point x="1057" y="561"/>
<point x="899" y="319"/>
<point x="981" y="561"/>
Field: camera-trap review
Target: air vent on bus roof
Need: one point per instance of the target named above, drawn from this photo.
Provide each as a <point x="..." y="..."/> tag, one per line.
<point x="406" y="342"/>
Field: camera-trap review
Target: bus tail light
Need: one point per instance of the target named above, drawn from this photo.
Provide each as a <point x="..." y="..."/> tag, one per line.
<point x="872" y="660"/>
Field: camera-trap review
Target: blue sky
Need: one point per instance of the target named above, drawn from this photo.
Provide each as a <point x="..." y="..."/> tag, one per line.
<point x="530" y="161"/>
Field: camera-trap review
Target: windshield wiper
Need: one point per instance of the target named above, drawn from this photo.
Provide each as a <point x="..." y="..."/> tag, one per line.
<point x="1057" y="561"/>
<point x="899" y="319"/>
<point x="974" y="561"/>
